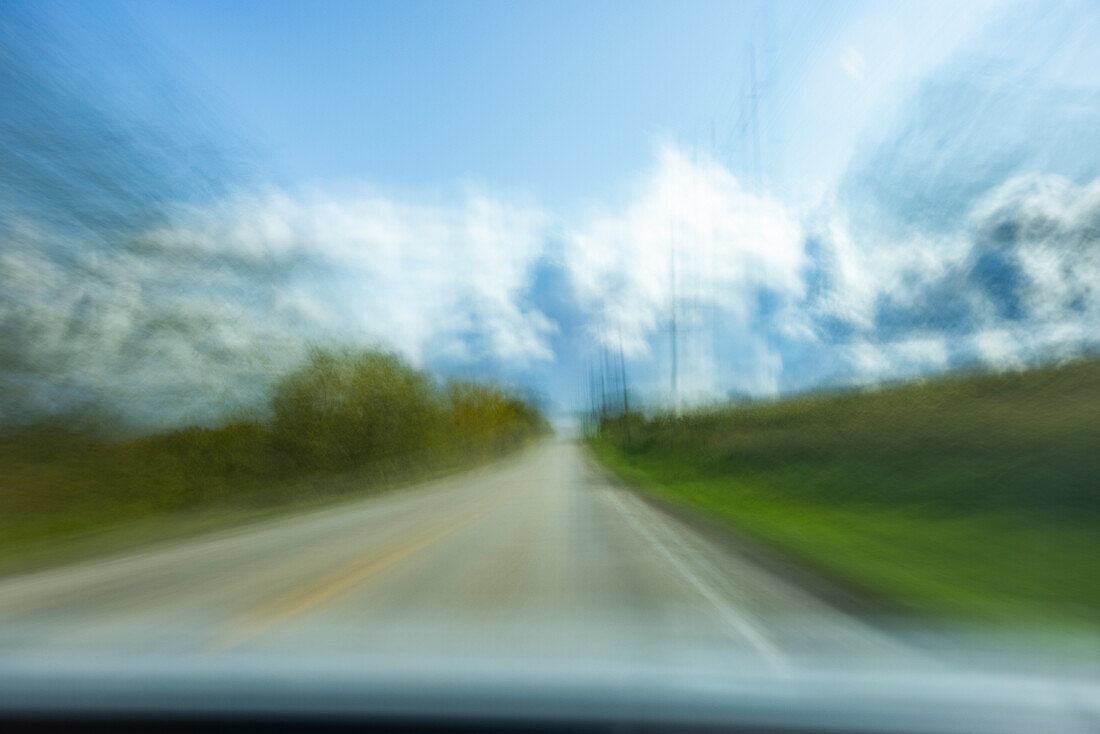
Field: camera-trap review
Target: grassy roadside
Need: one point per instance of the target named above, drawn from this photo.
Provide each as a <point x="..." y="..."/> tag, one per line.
<point x="343" y="424"/>
<point x="969" y="498"/>
<point x="66" y="538"/>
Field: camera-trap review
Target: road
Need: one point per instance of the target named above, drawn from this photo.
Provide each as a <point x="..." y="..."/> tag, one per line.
<point x="533" y="588"/>
<point x="536" y="555"/>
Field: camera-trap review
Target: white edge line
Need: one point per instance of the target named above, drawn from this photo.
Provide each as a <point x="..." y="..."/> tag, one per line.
<point x="775" y="657"/>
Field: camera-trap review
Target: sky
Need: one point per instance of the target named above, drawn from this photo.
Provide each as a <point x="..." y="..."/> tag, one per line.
<point x="563" y="101"/>
<point x="818" y="194"/>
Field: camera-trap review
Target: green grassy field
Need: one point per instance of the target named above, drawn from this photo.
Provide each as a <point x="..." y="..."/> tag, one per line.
<point x="973" y="497"/>
<point x="344" y="424"/>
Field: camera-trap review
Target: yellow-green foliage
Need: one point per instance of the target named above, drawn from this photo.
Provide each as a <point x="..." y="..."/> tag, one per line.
<point x="344" y="408"/>
<point x="338" y="411"/>
<point x="484" y="415"/>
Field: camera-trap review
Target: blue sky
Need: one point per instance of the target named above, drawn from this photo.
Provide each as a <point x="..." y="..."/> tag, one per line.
<point x="847" y="192"/>
<point x="561" y="100"/>
<point x="564" y="101"/>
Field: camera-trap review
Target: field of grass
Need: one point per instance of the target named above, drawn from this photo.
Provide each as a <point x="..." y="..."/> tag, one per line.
<point x="344" y="424"/>
<point x="973" y="497"/>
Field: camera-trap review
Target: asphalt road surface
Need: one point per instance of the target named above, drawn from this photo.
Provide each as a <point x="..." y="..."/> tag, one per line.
<point x="533" y="588"/>
<point x="538" y="555"/>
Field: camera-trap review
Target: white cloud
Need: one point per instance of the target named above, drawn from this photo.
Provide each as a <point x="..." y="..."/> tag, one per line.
<point x="197" y="316"/>
<point x="692" y="217"/>
<point x="423" y="278"/>
<point x="997" y="347"/>
<point x="1020" y="282"/>
<point x="1045" y="231"/>
<point x="872" y="361"/>
<point x="754" y="286"/>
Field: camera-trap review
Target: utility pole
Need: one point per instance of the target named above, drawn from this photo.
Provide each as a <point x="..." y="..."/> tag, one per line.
<point x="626" y="400"/>
<point x="605" y="378"/>
<point x="673" y="337"/>
<point x="593" y="426"/>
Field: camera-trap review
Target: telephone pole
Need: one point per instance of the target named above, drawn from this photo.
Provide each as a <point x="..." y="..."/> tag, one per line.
<point x="626" y="400"/>
<point x="673" y="336"/>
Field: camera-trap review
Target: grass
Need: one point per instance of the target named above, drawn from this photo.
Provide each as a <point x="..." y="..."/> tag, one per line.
<point x="69" y="536"/>
<point x="344" y="424"/>
<point x="971" y="498"/>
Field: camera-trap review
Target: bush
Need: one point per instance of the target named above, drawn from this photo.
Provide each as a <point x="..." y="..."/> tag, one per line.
<point x="486" y="417"/>
<point x="344" y="408"/>
<point x="338" y="411"/>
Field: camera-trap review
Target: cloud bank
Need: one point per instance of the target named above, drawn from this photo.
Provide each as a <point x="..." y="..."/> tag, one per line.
<point x="692" y="245"/>
<point x="202" y="312"/>
<point x="191" y="319"/>
<point x="1015" y="284"/>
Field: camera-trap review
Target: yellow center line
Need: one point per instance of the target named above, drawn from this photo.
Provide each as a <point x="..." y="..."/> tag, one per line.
<point x="314" y="595"/>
